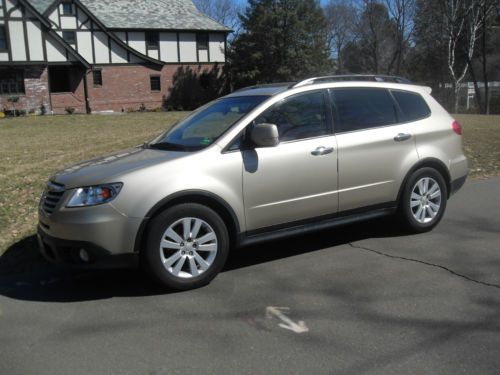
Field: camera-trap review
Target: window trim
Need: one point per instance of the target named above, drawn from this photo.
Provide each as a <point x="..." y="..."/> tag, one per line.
<point x="151" y="82"/>
<point x="336" y="121"/>
<point x="6" y="49"/>
<point x="72" y="13"/>
<point x="94" y="71"/>
<point x="156" y="45"/>
<point x="72" y="32"/>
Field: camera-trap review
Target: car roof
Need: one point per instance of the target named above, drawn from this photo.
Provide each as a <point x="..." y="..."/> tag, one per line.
<point x="392" y="82"/>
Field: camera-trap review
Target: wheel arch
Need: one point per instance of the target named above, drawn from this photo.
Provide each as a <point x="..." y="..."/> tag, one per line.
<point x="216" y="203"/>
<point x="434" y="163"/>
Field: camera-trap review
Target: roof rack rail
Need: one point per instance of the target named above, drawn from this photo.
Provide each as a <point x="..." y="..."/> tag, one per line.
<point x="265" y="85"/>
<point x="352" y="77"/>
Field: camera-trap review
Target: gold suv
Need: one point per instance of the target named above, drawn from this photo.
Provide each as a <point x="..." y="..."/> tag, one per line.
<point x="261" y="163"/>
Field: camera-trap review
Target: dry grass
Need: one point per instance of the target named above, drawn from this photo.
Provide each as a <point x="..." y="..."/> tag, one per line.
<point x="32" y="148"/>
<point x="482" y="144"/>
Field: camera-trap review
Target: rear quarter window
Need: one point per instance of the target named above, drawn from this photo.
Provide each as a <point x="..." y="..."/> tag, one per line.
<point x="412" y="105"/>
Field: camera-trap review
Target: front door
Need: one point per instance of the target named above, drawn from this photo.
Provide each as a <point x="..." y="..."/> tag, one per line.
<point x="297" y="179"/>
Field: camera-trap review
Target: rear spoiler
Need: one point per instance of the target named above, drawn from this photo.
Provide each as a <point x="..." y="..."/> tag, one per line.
<point x="427" y="89"/>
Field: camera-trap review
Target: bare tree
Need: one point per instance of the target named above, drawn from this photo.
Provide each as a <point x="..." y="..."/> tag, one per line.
<point x="342" y="17"/>
<point x="223" y="11"/>
<point x="376" y="34"/>
<point x="487" y="12"/>
<point x="463" y="20"/>
<point x="402" y="12"/>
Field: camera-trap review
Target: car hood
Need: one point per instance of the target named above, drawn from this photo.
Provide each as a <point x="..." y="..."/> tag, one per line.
<point x="106" y="169"/>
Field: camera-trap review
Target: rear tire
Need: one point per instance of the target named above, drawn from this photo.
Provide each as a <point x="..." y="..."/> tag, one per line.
<point x="423" y="201"/>
<point x="187" y="246"/>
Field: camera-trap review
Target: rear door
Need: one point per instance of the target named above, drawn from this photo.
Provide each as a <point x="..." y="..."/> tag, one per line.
<point x="375" y="147"/>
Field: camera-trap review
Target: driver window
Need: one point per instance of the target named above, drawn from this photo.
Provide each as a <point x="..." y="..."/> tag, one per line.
<point x="298" y="117"/>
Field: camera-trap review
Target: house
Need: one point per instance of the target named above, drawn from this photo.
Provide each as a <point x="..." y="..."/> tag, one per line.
<point x="101" y="55"/>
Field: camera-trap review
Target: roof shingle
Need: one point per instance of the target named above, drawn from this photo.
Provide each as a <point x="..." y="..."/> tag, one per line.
<point x="145" y="14"/>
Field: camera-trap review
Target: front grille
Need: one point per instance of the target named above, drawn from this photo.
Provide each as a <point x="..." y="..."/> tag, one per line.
<point x="51" y="197"/>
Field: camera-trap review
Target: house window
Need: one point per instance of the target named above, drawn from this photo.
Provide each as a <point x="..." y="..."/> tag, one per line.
<point x="67" y="9"/>
<point x="155" y="83"/>
<point x="202" y="41"/>
<point x="69" y="37"/>
<point x="97" y="76"/>
<point x="11" y="82"/>
<point x="3" y="39"/>
<point x="152" y="40"/>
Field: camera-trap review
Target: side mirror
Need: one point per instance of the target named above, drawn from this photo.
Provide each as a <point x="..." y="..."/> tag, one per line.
<point x="265" y="135"/>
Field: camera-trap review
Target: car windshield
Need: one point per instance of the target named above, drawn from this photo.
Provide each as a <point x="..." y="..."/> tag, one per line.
<point x="204" y="126"/>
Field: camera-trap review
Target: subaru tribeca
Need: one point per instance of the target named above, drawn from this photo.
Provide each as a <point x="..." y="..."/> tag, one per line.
<point x="261" y="163"/>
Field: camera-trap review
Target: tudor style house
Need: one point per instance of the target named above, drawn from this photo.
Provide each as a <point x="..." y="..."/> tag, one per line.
<point x="100" y="55"/>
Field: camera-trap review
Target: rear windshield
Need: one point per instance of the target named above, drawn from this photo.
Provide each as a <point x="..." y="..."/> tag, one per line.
<point x="412" y="105"/>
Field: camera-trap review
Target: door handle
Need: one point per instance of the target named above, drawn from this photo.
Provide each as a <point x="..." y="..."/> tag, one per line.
<point x="322" y="151"/>
<point x="402" y="137"/>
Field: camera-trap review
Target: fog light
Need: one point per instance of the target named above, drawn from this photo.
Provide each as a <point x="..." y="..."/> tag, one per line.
<point x="84" y="256"/>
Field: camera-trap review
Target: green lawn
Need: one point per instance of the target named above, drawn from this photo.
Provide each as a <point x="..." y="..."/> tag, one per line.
<point x="32" y="148"/>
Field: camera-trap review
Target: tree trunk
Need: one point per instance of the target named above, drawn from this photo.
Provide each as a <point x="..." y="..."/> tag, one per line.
<point x="479" y="101"/>
<point x="456" y="90"/>
<point x="485" y="68"/>
<point x="339" y="59"/>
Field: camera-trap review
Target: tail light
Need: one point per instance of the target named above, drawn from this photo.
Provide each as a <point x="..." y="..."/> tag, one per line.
<point x="457" y="128"/>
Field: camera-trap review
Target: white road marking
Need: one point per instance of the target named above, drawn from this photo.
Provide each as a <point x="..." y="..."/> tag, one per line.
<point x="288" y="323"/>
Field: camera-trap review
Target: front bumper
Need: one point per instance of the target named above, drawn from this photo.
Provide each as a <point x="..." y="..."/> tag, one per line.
<point x="102" y="231"/>
<point x="57" y="250"/>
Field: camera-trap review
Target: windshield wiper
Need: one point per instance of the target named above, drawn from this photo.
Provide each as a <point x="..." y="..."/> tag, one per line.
<point x="169" y="146"/>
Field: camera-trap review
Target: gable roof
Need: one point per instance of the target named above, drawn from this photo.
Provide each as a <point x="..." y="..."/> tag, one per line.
<point x="147" y="14"/>
<point x="144" y="14"/>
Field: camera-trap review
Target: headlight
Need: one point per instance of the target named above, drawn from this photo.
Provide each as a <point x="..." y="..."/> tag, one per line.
<point x="94" y="195"/>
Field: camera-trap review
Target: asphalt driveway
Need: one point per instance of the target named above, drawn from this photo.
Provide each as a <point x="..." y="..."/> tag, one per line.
<point x="360" y="299"/>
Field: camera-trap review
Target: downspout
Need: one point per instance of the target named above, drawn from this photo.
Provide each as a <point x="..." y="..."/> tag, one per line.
<point x="50" y="90"/>
<point x="86" y="93"/>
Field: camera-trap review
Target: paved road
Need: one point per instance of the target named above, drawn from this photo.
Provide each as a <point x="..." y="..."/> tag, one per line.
<point x="374" y="301"/>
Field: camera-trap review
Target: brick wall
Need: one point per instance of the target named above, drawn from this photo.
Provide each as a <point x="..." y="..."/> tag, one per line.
<point x="123" y="87"/>
<point x="36" y="87"/>
<point x="128" y="86"/>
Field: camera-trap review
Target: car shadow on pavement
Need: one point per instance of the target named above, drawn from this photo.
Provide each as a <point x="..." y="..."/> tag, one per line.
<point x="25" y="275"/>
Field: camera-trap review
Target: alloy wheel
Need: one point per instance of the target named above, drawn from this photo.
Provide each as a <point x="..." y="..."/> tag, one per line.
<point x="425" y="201"/>
<point x="188" y="247"/>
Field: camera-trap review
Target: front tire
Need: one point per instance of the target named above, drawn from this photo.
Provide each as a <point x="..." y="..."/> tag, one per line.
<point x="423" y="201"/>
<point x="187" y="246"/>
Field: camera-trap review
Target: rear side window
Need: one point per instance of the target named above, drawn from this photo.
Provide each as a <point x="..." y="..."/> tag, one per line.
<point x="412" y="105"/>
<point x="363" y="108"/>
